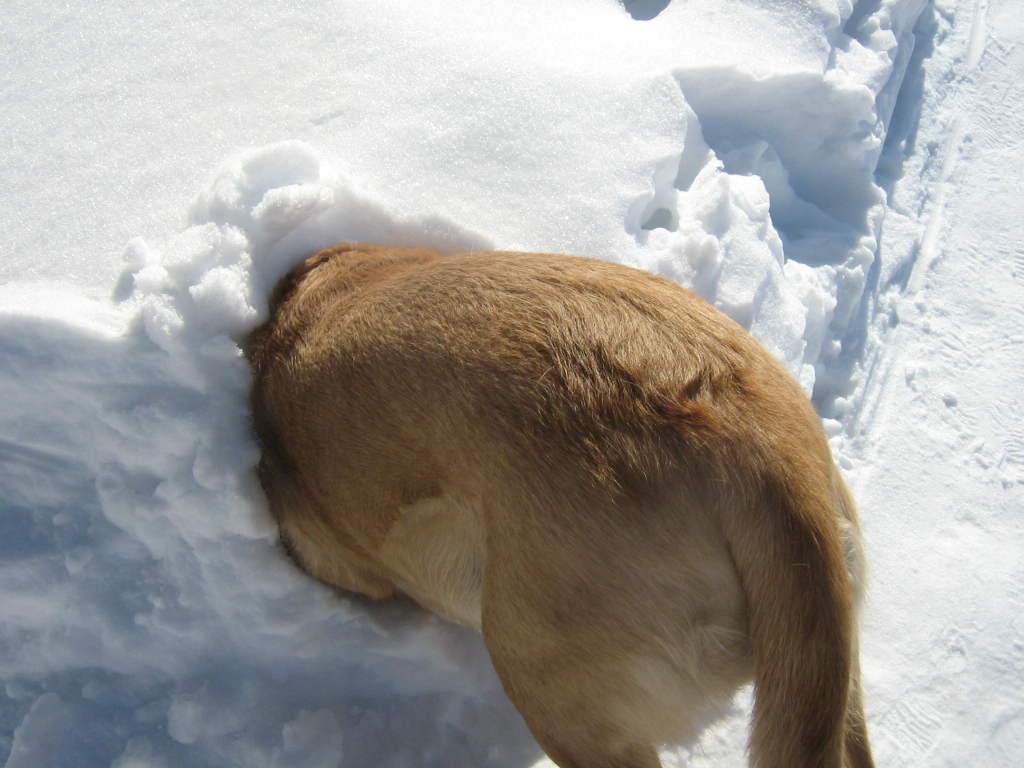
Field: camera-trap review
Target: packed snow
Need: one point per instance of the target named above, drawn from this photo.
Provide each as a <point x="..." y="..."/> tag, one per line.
<point x="843" y="179"/>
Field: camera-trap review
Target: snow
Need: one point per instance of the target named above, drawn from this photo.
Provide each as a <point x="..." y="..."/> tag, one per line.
<point x="843" y="179"/>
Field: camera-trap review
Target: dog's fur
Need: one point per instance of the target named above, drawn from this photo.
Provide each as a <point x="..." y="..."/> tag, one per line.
<point x="630" y="498"/>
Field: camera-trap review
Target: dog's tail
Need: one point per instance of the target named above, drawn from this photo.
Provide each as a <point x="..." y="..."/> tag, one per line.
<point x="796" y="547"/>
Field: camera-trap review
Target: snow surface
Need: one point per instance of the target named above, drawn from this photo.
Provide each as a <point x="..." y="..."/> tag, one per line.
<point x="843" y="179"/>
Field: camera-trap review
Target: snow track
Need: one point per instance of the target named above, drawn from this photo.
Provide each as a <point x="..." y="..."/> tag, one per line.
<point x="939" y="475"/>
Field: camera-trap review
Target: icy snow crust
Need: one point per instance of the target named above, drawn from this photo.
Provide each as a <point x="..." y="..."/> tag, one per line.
<point x="147" y="617"/>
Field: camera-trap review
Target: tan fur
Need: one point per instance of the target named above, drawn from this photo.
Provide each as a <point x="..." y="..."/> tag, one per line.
<point x="629" y="496"/>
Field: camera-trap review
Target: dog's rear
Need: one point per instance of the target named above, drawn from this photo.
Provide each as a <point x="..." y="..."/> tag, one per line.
<point x="629" y="496"/>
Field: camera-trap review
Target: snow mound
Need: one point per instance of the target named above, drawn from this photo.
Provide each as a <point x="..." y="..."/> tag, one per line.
<point x="152" y="575"/>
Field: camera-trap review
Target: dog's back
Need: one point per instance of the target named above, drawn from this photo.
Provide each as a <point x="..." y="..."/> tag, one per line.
<point x="618" y="485"/>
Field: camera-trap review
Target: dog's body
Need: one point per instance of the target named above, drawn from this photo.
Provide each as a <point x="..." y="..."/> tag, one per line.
<point x="627" y="494"/>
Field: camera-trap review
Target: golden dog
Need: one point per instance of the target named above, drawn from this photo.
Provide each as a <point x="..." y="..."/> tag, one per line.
<point x="631" y="499"/>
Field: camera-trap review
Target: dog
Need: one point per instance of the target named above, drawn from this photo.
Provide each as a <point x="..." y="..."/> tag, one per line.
<point x="630" y="498"/>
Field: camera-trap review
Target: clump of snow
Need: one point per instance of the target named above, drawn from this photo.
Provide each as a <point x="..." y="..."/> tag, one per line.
<point x="147" y="616"/>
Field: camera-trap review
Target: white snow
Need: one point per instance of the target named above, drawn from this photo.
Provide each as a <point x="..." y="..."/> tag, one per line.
<point x="842" y="178"/>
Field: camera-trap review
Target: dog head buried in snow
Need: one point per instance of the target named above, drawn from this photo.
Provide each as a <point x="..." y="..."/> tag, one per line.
<point x="631" y="499"/>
